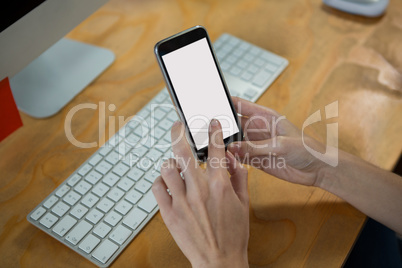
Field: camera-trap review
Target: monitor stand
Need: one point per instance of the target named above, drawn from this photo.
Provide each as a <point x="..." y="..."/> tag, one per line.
<point x="53" y="79"/>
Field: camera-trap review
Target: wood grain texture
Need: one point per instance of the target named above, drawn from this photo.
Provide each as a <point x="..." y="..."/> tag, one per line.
<point x="333" y="56"/>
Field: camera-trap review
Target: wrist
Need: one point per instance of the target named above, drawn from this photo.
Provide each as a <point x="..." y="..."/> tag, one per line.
<point x="326" y="175"/>
<point x="237" y="261"/>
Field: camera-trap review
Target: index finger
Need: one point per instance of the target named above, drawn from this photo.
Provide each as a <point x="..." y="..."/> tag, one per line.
<point x="248" y="108"/>
<point x="216" y="147"/>
<point x="182" y="151"/>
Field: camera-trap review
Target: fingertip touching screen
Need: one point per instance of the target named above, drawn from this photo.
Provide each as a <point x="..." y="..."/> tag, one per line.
<point x="199" y="90"/>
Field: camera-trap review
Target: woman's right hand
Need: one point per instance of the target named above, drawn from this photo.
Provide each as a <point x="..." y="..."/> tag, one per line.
<point x="274" y="145"/>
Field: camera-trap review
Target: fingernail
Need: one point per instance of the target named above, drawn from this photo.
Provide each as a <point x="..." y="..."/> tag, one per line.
<point x="234" y="146"/>
<point x="214" y="122"/>
<point x="229" y="154"/>
<point x="177" y="123"/>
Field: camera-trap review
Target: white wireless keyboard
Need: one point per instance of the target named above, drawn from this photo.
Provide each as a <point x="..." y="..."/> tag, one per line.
<point x="106" y="202"/>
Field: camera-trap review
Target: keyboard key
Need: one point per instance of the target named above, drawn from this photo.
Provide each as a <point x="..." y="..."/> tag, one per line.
<point x="50" y="201"/>
<point x="142" y="114"/>
<point x="242" y="64"/>
<point x="143" y="186"/>
<point x="154" y="154"/>
<point x="113" y="218"/>
<point x="253" y="69"/>
<point x="255" y="50"/>
<point x="113" y="157"/>
<point x="151" y="176"/>
<point x="64" y="225"/>
<point x="145" y="164"/>
<point x="79" y="211"/>
<point x="102" y="230"/>
<point x="94" y="216"/>
<point x="235" y="71"/>
<point x="259" y="62"/>
<point x="71" y="198"/>
<point x="234" y="41"/>
<point x="148" y="203"/>
<point x="163" y="146"/>
<point x="73" y="180"/>
<point x="141" y="130"/>
<point x="159" y="114"/>
<point x="125" y="184"/>
<point x="89" y="200"/>
<point x="95" y="159"/>
<point x="89" y="243"/>
<point x="261" y="78"/>
<point x="172" y="116"/>
<point x="105" y="251"/>
<point x="139" y="152"/>
<point x="225" y="66"/>
<point x="62" y="190"/>
<point x="84" y="170"/>
<point x="115" y="194"/>
<point x="103" y="167"/>
<point x="78" y="232"/>
<point x="238" y="52"/>
<point x="132" y="139"/>
<point x="123" y="207"/>
<point x="123" y="148"/>
<point x="82" y="187"/>
<point x="130" y="160"/>
<point x="105" y="149"/>
<point x="271" y="67"/>
<point x="105" y="205"/>
<point x="118" y="137"/>
<point x="250" y="93"/>
<point x="245" y="45"/>
<point x="120" y="169"/>
<point x="93" y="177"/>
<point x="60" y="209"/>
<point x="135" y="174"/>
<point x="133" y="196"/>
<point x="249" y="57"/>
<point x="38" y="213"/>
<point x="120" y="234"/>
<point x="48" y="220"/>
<point x="165" y="124"/>
<point x="135" y="218"/>
<point x="231" y="59"/>
<point x="158" y="132"/>
<point x="246" y="76"/>
<point x="111" y="179"/>
<point x="100" y="189"/>
<point x="168" y="137"/>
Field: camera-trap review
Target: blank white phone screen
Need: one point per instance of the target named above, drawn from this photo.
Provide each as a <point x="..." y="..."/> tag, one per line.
<point x="200" y="91"/>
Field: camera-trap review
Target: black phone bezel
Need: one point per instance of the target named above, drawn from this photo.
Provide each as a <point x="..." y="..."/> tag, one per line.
<point x="178" y="41"/>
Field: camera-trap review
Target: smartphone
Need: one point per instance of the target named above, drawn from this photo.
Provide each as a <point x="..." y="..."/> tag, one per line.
<point x="197" y="87"/>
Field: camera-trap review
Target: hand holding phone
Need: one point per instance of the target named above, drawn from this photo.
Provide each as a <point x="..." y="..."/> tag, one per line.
<point x="197" y="87"/>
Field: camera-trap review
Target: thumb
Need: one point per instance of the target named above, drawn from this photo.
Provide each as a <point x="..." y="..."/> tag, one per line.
<point x="238" y="177"/>
<point x="251" y="149"/>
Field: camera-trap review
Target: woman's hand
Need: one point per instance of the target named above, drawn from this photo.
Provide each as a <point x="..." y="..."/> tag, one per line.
<point x="274" y="145"/>
<point x="207" y="212"/>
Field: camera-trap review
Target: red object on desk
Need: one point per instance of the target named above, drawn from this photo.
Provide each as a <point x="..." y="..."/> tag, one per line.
<point x="10" y="119"/>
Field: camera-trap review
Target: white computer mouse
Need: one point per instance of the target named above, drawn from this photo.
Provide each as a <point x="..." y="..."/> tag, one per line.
<point x="368" y="8"/>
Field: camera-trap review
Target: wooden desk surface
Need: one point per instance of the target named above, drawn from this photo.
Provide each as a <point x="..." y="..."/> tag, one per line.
<point x="333" y="56"/>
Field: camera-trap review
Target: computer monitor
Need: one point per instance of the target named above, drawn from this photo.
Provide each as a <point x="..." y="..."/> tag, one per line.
<point x="46" y="70"/>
